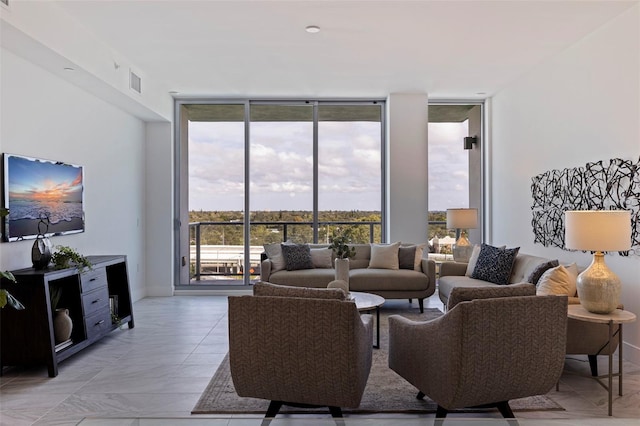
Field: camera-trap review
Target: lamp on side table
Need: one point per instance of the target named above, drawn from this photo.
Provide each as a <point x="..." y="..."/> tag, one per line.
<point x="462" y="219"/>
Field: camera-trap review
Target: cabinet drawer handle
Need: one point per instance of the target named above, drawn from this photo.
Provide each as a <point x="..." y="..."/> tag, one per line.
<point x="92" y="279"/>
<point x="96" y="301"/>
<point x="99" y="322"/>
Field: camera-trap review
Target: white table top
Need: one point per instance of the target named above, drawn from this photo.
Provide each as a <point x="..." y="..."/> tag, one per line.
<point x="366" y="301"/>
<point x="618" y="316"/>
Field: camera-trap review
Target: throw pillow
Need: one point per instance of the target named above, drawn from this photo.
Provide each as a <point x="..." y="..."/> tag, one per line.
<point x="535" y="275"/>
<point x="274" y="253"/>
<point x="473" y="259"/>
<point x="297" y="256"/>
<point x="321" y="257"/>
<point x="384" y="256"/>
<point x="417" y="261"/>
<point x="495" y="264"/>
<point x="560" y="281"/>
<point x="407" y="257"/>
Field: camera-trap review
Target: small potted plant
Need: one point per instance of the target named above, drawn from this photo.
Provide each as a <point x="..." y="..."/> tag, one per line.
<point x="66" y="257"/>
<point x="343" y="254"/>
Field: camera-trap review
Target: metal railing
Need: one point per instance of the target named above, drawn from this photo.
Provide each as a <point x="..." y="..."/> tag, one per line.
<point x="279" y="231"/>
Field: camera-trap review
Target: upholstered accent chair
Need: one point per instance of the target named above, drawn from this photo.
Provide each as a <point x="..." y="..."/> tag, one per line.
<point x="483" y="352"/>
<point x="300" y="347"/>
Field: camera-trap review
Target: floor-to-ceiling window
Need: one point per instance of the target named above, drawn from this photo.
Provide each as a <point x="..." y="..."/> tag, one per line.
<point x="260" y="172"/>
<point x="455" y="178"/>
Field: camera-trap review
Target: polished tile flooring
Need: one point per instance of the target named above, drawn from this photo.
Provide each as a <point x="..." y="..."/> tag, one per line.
<point x="154" y="374"/>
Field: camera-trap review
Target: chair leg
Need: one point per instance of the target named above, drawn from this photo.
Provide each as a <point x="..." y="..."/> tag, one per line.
<point x="410" y="300"/>
<point x="593" y="363"/>
<point x="420" y="395"/>
<point x="336" y="412"/>
<point x="505" y="410"/>
<point x="441" y="413"/>
<point x="274" y="407"/>
<point x="421" y="304"/>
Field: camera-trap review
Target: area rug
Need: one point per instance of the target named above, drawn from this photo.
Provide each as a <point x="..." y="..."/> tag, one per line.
<point x="386" y="391"/>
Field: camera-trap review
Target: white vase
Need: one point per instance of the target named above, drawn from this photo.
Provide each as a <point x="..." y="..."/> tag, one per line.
<point x="342" y="269"/>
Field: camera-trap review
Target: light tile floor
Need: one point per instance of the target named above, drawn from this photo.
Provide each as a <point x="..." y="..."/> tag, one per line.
<point x="159" y="369"/>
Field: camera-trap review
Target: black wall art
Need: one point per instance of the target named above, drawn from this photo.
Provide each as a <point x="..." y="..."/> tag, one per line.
<point x="603" y="185"/>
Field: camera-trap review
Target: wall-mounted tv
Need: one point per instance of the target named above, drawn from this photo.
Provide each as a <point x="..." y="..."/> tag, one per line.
<point x="42" y="196"/>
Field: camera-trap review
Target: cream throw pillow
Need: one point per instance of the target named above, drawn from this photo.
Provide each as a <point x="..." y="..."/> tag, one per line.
<point x="560" y="281"/>
<point x="321" y="257"/>
<point x="274" y="253"/>
<point x="384" y="256"/>
<point x="417" y="263"/>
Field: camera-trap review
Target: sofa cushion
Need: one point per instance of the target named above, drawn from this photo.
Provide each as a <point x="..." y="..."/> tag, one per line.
<point x="373" y="280"/>
<point x="535" y="275"/>
<point x="449" y="282"/>
<point x="270" y="289"/>
<point x="322" y="257"/>
<point x="560" y="281"/>
<point x="296" y="256"/>
<point x="361" y="259"/>
<point x="473" y="259"/>
<point x="304" y="277"/>
<point x="495" y="264"/>
<point x="384" y="256"/>
<point x="524" y="266"/>
<point x="274" y="253"/>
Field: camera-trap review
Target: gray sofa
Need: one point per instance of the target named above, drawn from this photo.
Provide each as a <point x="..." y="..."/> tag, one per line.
<point x="582" y="338"/>
<point x="388" y="283"/>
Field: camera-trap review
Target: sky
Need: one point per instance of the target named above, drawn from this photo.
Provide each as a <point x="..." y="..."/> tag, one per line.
<point x="281" y="160"/>
<point x="40" y="180"/>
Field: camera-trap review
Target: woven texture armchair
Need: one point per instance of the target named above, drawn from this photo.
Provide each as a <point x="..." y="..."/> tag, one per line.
<point x="300" y="351"/>
<point x="483" y="352"/>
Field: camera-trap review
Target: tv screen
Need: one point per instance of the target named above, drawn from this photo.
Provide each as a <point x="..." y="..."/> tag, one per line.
<point x="42" y="196"/>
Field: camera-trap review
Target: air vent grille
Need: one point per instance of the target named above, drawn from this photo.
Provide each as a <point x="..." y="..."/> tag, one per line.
<point x="135" y="82"/>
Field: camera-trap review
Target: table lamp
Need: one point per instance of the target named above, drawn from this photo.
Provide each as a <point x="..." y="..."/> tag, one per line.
<point x="462" y="219"/>
<point x="598" y="231"/>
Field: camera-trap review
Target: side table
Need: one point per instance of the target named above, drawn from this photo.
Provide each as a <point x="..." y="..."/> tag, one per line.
<point x="617" y="317"/>
<point x="367" y="302"/>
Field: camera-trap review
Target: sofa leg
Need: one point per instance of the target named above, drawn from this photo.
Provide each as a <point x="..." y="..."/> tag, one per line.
<point x="593" y="363"/>
<point x="421" y="304"/>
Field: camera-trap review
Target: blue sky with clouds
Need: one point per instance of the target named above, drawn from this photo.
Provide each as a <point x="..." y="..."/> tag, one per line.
<point x="281" y="158"/>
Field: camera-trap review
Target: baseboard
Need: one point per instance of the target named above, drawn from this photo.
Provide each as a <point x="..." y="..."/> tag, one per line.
<point x="631" y="353"/>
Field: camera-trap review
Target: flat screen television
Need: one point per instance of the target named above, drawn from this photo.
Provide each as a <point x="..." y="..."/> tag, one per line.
<point x="43" y="197"/>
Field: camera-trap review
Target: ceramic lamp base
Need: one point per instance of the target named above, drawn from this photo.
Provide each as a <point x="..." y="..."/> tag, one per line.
<point x="598" y="287"/>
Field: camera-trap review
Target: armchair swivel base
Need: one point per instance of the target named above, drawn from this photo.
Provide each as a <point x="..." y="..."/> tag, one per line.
<point x="274" y="408"/>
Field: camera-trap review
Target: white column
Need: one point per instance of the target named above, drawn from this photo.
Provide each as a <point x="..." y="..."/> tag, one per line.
<point x="406" y="167"/>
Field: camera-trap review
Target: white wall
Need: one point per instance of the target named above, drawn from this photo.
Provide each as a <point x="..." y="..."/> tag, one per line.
<point x="407" y="167"/>
<point x="44" y="116"/>
<point x="582" y="105"/>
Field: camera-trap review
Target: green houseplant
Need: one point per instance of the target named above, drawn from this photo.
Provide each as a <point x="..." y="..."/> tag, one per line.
<point x="66" y="257"/>
<point x="340" y="247"/>
<point x="5" y="297"/>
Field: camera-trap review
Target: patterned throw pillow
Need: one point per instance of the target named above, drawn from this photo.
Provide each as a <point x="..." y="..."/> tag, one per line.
<point x="297" y="256"/>
<point x="494" y="264"/>
<point x="541" y="269"/>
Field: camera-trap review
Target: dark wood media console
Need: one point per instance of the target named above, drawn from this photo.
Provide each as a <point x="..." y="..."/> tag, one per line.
<point x="27" y="336"/>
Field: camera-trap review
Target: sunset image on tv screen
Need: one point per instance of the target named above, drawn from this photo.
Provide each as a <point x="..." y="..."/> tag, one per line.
<point x="43" y="197"/>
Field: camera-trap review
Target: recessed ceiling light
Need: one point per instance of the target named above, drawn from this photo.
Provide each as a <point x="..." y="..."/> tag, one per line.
<point x="312" y="29"/>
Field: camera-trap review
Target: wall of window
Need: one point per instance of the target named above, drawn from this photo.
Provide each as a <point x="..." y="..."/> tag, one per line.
<point x="260" y="172"/>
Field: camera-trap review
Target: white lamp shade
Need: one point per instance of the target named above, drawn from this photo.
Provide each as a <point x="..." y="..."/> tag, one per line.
<point x="597" y="230"/>
<point x="462" y="218"/>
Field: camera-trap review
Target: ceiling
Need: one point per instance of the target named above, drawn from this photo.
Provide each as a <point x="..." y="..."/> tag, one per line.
<point x="365" y="49"/>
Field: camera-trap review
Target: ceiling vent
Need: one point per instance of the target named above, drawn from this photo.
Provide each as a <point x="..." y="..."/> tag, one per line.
<point x="135" y="82"/>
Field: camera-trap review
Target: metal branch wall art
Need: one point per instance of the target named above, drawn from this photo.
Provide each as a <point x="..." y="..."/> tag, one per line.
<point x="602" y="185"/>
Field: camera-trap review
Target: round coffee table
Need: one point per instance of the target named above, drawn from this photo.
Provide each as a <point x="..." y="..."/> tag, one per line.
<point x="367" y="302"/>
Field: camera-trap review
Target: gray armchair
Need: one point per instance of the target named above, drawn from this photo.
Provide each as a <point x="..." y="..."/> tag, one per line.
<point x="299" y="346"/>
<point x="483" y="352"/>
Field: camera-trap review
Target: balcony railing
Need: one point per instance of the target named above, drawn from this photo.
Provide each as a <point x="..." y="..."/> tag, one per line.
<point x="217" y="248"/>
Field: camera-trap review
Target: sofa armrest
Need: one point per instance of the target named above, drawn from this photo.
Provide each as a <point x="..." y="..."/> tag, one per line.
<point x="429" y="269"/>
<point x="453" y="268"/>
<point x="265" y="270"/>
